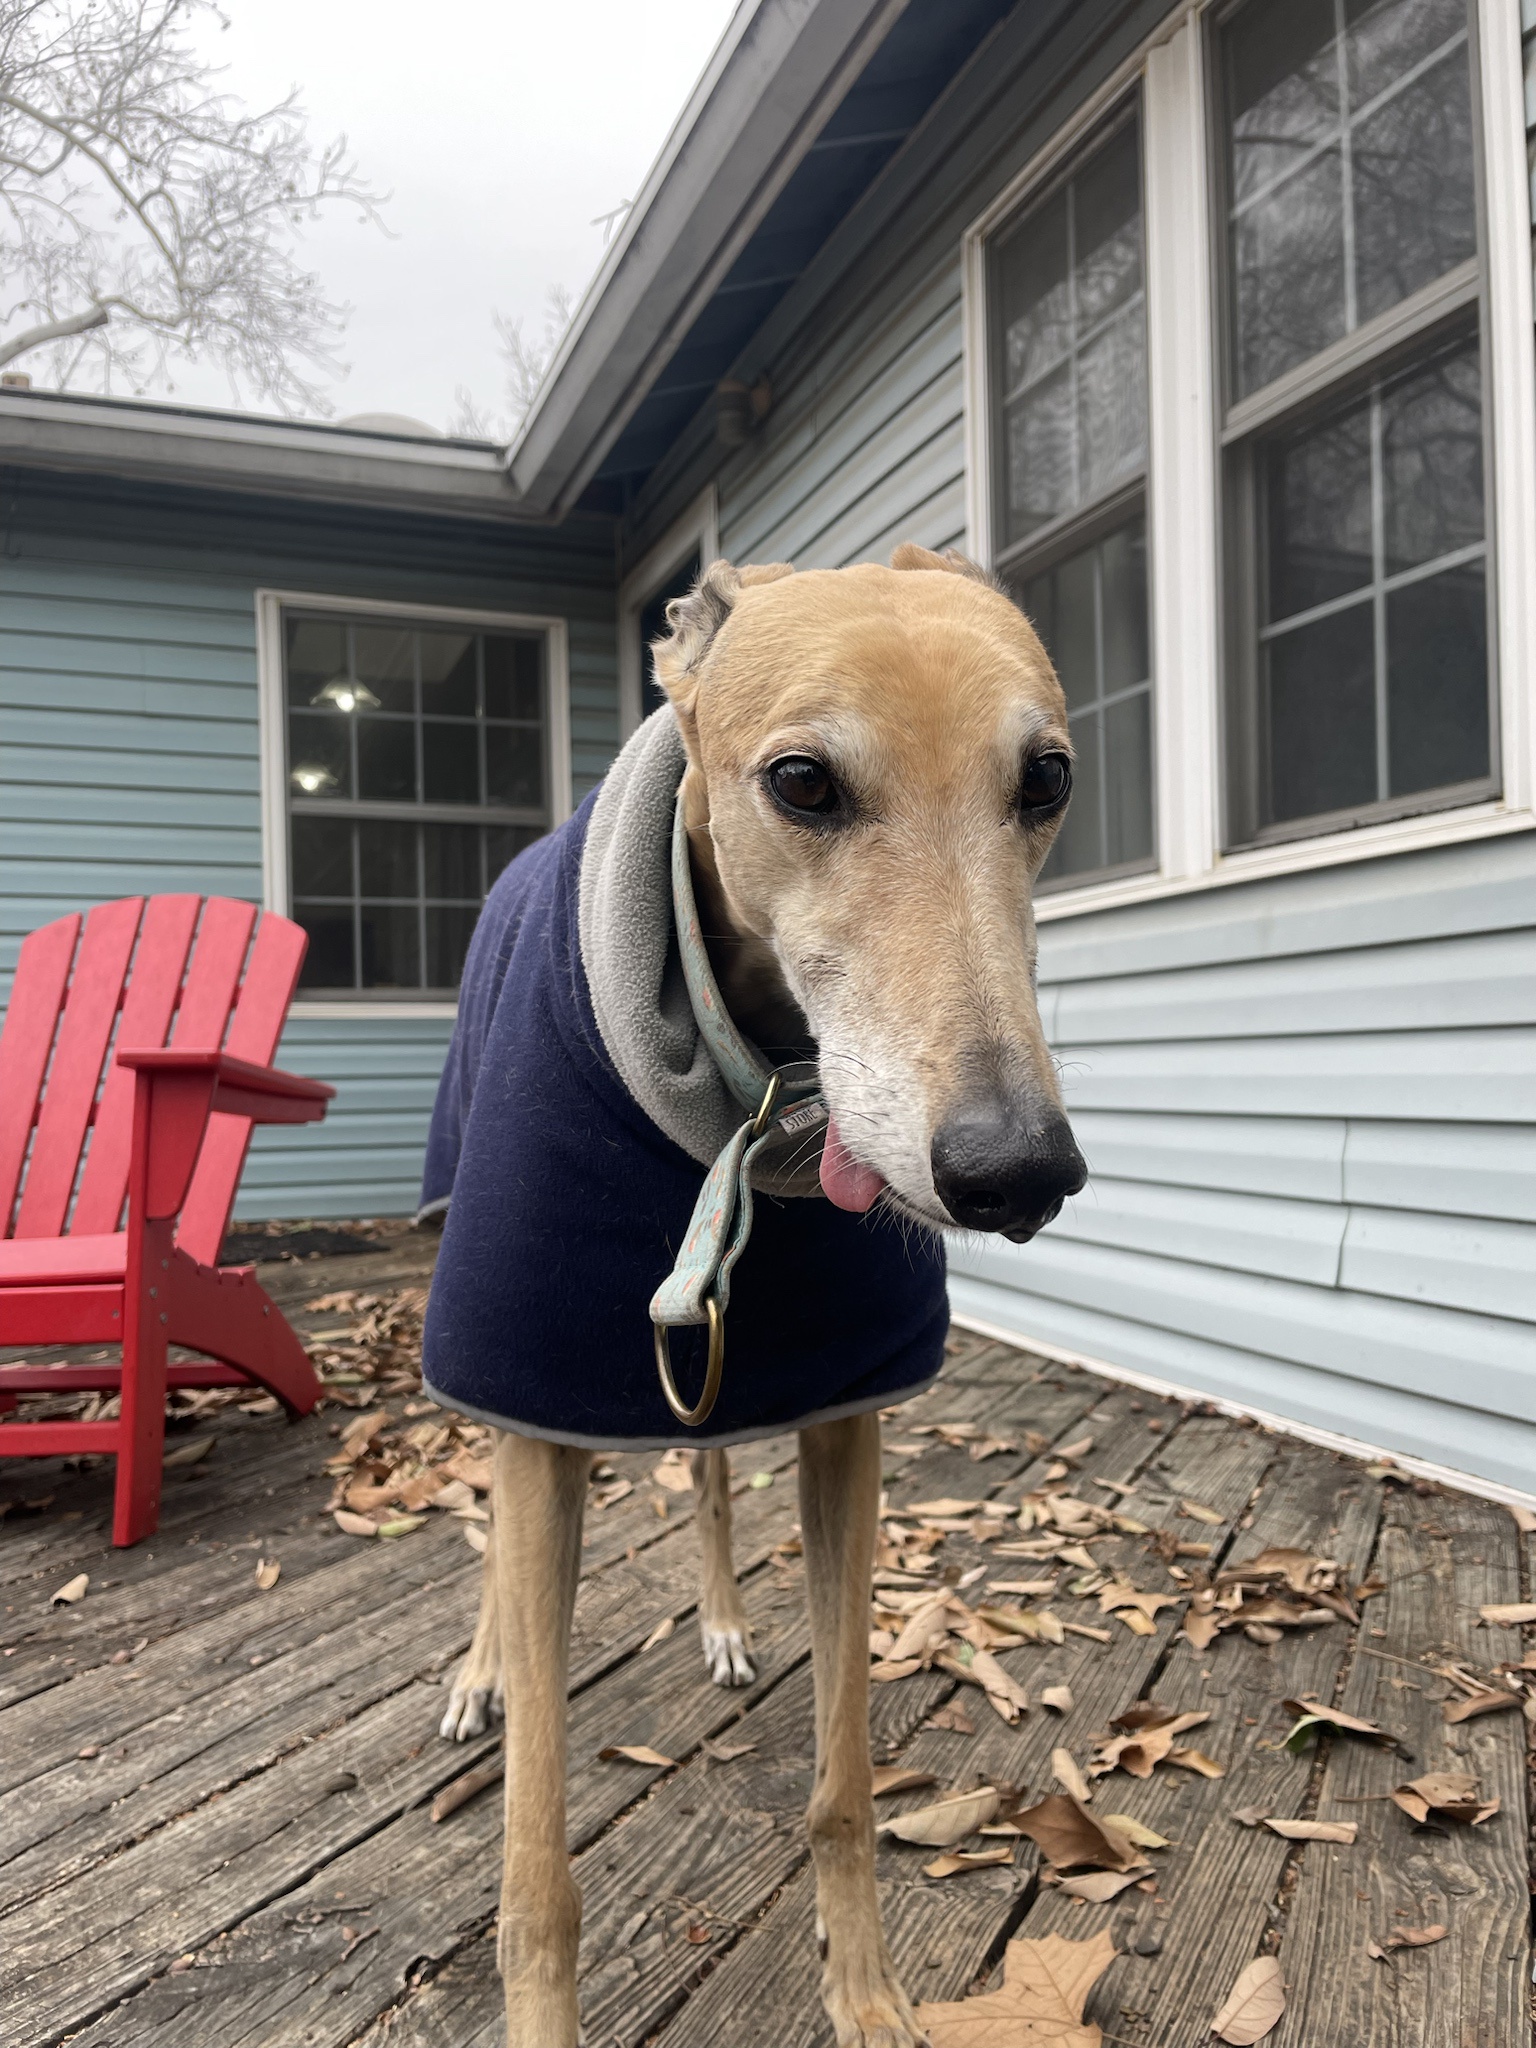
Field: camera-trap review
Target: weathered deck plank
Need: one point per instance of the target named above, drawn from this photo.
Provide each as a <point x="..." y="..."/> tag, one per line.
<point x="218" y="1823"/>
<point x="1443" y="1558"/>
<point x="1217" y="1885"/>
<point x="969" y="1918"/>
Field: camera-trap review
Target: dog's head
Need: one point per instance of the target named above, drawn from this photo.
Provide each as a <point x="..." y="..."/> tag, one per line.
<point x="879" y="761"/>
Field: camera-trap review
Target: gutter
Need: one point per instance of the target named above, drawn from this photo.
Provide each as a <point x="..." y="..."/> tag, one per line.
<point x="187" y="445"/>
<point x="779" y="73"/>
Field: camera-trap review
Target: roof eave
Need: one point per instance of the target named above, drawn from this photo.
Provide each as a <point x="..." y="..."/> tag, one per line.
<point x="273" y="458"/>
<point x="776" y="77"/>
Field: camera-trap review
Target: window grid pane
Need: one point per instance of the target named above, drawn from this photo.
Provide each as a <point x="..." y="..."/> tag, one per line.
<point x="1373" y="672"/>
<point x="384" y="719"/>
<point x="1072" y="342"/>
<point x="1350" y="168"/>
<point x="1091" y="614"/>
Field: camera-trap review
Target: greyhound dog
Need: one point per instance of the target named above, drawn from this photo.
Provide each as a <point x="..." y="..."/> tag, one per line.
<point x="877" y="762"/>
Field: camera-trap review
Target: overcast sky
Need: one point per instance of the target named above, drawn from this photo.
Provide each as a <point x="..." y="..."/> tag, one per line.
<point x="500" y="127"/>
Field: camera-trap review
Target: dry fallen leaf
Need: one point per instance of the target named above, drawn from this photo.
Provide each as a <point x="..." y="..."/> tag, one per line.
<point x="1064" y="1769"/>
<point x="659" y="1633"/>
<point x="1148" y="1735"/>
<point x="953" y="1718"/>
<point x="1069" y="1836"/>
<point x="268" y="1572"/>
<point x="674" y="1472"/>
<point x="1250" y="1816"/>
<point x="1254" y="2005"/>
<point x="1417" y="1937"/>
<point x="353" y="1525"/>
<point x="635" y="1753"/>
<point x="1198" y="1512"/>
<point x="925" y="1509"/>
<point x="1489" y="1702"/>
<point x="1099" y="1886"/>
<point x="955" y="1861"/>
<point x="1079" y="1449"/>
<point x="189" y="1454"/>
<point x="1311" y="1715"/>
<point x="898" y="1778"/>
<point x="1002" y="1689"/>
<point x="1314" y="1830"/>
<point x="1197" y="1760"/>
<point x="947" y="1821"/>
<point x="1509" y="1614"/>
<point x="71" y="1591"/>
<point x="476" y="1537"/>
<point x="1045" y="1986"/>
<point x="1144" y="1837"/>
<point x="1448" y="1795"/>
<point x="726" y="1752"/>
<point x="1058" y="1698"/>
<point x="883" y="1672"/>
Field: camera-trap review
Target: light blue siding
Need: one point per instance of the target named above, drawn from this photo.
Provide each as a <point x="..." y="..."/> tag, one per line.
<point x="1309" y="1104"/>
<point x="129" y="762"/>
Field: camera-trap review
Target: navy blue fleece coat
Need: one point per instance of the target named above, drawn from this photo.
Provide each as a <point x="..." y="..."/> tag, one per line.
<point x="568" y="1204"/>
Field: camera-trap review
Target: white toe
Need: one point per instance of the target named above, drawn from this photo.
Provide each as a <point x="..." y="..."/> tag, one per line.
<point x="726" y="1654"/>
<point x="469" y="1714"/>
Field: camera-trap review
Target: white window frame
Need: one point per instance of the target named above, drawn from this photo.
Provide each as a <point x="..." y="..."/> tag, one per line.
<point x="272" y="722"/>
<point x="1184" y="592"/>
<point x="696" y="531"/>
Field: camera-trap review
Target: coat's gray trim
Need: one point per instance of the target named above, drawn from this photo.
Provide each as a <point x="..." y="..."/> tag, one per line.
<point x="634" y="970"/>
<point x="674" y="1443"/>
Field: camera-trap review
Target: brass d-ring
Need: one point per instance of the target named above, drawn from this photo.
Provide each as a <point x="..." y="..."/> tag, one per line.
<point x="712" y="1372"/>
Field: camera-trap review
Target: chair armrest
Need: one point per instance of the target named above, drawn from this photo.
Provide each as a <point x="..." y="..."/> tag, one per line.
<point x="266" y="1095"/>
<point x="175" y="1092"/>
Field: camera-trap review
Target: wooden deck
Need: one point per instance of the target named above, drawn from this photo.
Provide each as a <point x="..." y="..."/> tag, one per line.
<point x="215" y="1800"/>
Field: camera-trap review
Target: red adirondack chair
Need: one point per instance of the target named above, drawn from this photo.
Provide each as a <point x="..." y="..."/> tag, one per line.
<point x="164" y="1134"/>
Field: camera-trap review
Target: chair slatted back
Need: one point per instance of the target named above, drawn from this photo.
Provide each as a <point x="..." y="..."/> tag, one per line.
<point x="31" y="1019"/>
<point x="271" y="976"/>
<point x="183" y="990"/>
<point x="85" y="1030"/>
<point x="149" y="1003"/>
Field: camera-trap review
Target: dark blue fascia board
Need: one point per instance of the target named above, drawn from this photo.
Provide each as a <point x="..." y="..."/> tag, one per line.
<point x="909" y="70"/>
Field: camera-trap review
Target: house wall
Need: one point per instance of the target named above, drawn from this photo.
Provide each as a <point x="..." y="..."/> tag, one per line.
<point x="1309" y="1103"/>
<point x="129" y="759"/>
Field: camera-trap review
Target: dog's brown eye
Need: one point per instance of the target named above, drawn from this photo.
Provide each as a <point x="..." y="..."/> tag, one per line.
<point x="803" y="784"/>
<point x="1046" y="782"/>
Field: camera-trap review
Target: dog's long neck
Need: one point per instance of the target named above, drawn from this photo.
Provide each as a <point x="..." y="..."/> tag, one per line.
<point x="748" y="974"/>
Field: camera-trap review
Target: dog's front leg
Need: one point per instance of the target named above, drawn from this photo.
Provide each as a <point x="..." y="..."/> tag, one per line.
<point x="722" y="1618"/>
<point x="535" y="1555"/>
<point x="839" y="1510"/>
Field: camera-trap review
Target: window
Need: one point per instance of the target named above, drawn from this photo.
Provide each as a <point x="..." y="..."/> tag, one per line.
<point x="418" y="764"/>
<point x="1069" y="409"/>
<point x="1359" y="674"/>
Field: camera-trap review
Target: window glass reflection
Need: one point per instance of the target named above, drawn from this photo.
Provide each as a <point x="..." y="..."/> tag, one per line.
<point x="1072" y="342"/>
<point x="1091" y="612"/>
<point x="1373" y="646"/>
<point x="1349" y="168"/>
<point x="391" y="727"/>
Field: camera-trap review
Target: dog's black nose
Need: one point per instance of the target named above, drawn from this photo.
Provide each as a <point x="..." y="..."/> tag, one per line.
<point x="999" y="1167"/>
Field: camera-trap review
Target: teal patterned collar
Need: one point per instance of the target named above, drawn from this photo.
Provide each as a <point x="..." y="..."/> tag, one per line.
<point x="780" y="1102"/>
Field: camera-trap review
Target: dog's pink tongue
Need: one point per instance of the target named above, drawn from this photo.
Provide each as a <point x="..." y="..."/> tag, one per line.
<point x="845" y="1181"/>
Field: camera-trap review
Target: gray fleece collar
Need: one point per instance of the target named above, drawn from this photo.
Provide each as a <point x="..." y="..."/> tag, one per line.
<point x="633" y="968"/>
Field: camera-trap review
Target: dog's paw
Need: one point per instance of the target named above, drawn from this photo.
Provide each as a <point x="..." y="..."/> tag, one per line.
<point x="726" y="1654"/>
<point x="875" y="2014"/>
<point x="470" y="1711"/>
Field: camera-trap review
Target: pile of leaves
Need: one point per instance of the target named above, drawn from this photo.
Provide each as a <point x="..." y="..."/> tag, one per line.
<point x="1277" y="1590"/>
<point x="377" y="1351"/>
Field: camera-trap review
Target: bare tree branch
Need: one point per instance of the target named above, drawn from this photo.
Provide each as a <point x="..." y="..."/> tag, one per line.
<point x="526" y="365"/>
<point x="15" y="345"/>
<point x="145" y="216"/>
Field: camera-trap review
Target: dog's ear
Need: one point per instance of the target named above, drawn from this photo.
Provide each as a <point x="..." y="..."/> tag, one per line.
<point x="910" y="556"/>
<point x="694" y="621"/>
